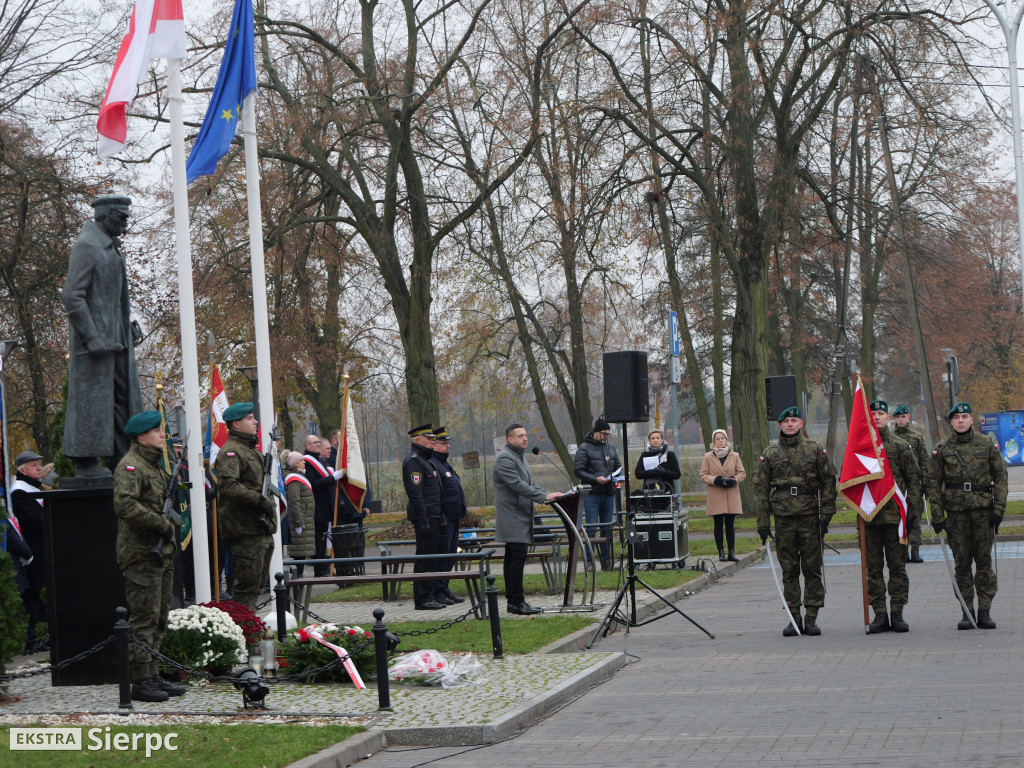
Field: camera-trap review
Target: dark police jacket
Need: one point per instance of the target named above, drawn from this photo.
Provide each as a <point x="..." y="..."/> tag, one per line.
<point x="422" y="486"/>
<point x="453" y="498"/>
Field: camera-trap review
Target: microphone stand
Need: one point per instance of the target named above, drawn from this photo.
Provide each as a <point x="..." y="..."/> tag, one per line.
<point x="632" y="579"/>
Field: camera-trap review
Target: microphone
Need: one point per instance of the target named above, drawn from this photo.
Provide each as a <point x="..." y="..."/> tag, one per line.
<point x="536" y="452"/>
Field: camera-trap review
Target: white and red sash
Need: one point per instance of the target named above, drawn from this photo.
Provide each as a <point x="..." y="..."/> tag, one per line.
<point x="296" y="477"/>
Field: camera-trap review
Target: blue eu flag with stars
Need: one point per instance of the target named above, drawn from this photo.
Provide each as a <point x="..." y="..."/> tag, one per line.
<point x="235" y="81"/>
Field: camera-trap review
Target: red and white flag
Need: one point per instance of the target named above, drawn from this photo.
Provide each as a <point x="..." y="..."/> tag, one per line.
<point x="215" y="424"/>
<point x="866" y="479"/>
<point x="156" y="30"/>
<point x="350" y="458"/>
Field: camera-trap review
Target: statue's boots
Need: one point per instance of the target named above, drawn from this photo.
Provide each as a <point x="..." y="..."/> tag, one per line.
<point x="896" y="620"/>
<point x="965" y="622"/>
<point x="90" y="467"/>
<point x="880" y="623"/>
<point x="985" y="620"/>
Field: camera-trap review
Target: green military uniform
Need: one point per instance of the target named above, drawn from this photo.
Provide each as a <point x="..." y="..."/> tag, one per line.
<point x="245" y="520"/>
<point x="144" y="550"/>
<point x="967" y="493"/>
<point x="794" y="481"/>
<point x="882" y="539"/>
<point x="919" y="445"/>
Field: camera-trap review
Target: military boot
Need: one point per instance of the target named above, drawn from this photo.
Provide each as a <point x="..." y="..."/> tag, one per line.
<point x="811" y="628"/>
<point x="965" y="622"/>
<point x="896" y="620"/>
<point x="789" y="631"/>
<point x="721" y="555"/>
<point x="880" y="623"/>
<point x="915" y="554"/>
<point x="147" y="690"/>
<point x="985" y="620"/>
<point x="168" y="687"/>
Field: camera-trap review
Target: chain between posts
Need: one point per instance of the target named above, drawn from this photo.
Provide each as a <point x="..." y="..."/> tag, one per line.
<point x="61" y="664"/>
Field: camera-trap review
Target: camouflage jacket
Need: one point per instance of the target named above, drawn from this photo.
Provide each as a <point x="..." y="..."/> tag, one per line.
<point x="788" y="476"/>
<point x="906" y="473"/>
<point x="241" y="506"/>
<point x="918" y="443"/>
<point x="140" y="484"/>
<point x="966" y="458"/>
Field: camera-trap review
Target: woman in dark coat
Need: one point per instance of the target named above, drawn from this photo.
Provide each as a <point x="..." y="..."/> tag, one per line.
<point x="658" y="467"/>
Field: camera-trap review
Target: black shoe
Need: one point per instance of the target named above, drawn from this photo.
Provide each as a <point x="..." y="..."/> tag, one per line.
<point x="168" y="687"/>
<point x="443" y="600"/>
<point x="880" y="623"/>
<point x="148" y="690"/>
<point x="915" y="554"/>
<point x="790" y="630"/>
<point x="454" y="599"/>
<point x="721" y="556"/>
<point x="965" y="622"/>
<point x="896" y="620"/>
<point x="811" y="628"/>
<point x="732" y="556"/>
<point x="985" y="620"/>
<point x="430" y="605"/>
<point x="523" y="609"/>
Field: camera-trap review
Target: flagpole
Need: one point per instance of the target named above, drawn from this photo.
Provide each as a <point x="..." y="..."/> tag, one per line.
<point x="210" y="426"/>
<point x="862" y="540"/>
<point x="259" y="297"/>
<point x="189" y="339"/>
<point x="342" y="443"/>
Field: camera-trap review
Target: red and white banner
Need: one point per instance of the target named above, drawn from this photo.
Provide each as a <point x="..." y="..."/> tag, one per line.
<point x="156" y="30"/>
<point x="350" y="458"/>
<point x="218" y="404"/>
<point x="866" y="479"/>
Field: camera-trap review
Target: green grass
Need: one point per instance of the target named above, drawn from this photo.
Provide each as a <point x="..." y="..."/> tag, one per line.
<point x="517" y="636"/>
<point x="224" y="746"/>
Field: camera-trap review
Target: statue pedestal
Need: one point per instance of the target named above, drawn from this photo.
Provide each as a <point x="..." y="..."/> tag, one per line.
<point x="84" y="584"/>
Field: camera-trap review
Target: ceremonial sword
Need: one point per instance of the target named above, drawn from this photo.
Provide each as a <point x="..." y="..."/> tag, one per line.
<point x="778" y="585"/>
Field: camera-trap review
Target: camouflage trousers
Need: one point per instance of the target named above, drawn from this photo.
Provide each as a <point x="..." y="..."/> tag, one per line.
<point x="970" y="537"/>
<point x="148" y="592"/>
<point x="798" y="544"/>
<point x="252" y="567"/>
<point x="914" y="529"/>
<point x="882" y="547"/>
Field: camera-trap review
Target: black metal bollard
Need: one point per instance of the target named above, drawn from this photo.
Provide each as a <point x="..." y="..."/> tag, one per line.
<point x="492" y="608"/>
<point x="124" y="665"/>
<point x="380" y="648"/>
<point x="281" y="601"/>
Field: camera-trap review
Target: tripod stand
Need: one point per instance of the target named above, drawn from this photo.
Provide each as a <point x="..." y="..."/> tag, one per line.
<point x="632" y="579"/>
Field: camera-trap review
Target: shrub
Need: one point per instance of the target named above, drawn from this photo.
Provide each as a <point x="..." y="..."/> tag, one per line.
<point x="304" y="653"/>
<point x="203" y="638"/>
<point x="13" y="619"/>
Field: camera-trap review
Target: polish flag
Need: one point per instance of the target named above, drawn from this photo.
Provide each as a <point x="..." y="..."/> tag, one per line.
<point x="350" y="458"/>
<point x="156" y="30"/>
<point x="218" y="404"/>
<point x="866" y="479"/>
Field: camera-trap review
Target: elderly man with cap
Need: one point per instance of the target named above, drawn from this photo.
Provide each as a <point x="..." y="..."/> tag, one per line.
<point x="903" y="431"/>
<point x="424" y="510"/>
<point x="882" y="543"/>
<point x="247" y="520"/>
<point x="967" y="492"/>
<point x="795" y="482"/>
<point x="29" y="512"/>
<point x="103" y="382"/>
<point x="595" y="463"/>
<point x="453" y="503"/>
<point x="145" y="548"/>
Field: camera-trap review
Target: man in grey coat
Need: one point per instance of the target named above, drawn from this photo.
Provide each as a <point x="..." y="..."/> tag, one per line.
<point x="514" y="496"/>
<point x="103" y="382"/>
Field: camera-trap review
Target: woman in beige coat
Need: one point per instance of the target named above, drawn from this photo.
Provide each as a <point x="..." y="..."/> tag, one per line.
<point x="722" y="472"/>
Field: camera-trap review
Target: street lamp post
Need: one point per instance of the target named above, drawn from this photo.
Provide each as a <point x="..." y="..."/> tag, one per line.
<point x="952" y="375"/>
<point x="250" y="372"/>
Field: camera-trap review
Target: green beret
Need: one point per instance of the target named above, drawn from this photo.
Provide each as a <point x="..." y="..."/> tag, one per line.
<point x="791" y="411"/>
<point x="880" y="405"/>
<point x="959" y="408"/>
<point x="142" y="422"/>
<point x="422" y="429"/>
<point x="441" y="433"/>
<point x="900" y="410"/>
<point x="105" y="200"/>
<point x="237" y="411"/>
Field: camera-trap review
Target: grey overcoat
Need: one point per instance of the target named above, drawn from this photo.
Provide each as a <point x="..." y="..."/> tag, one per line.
<point x="514" y="496"/>
<point x="96" y="299"/>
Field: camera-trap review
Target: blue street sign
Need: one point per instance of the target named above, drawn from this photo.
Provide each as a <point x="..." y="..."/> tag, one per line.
<point x="673" y="333"/>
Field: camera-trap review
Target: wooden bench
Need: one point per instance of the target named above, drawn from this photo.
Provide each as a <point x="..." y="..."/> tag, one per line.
<point x="392" y="574"/>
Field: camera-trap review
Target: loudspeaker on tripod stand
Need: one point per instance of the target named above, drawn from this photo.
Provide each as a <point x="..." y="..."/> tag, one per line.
<point x="626" y="395"/>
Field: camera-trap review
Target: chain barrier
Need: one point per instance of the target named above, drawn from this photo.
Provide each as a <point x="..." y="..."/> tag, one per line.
<point x="300" y="607"/>
<point x="432" y="630"/>
<point x="61" y="664"/>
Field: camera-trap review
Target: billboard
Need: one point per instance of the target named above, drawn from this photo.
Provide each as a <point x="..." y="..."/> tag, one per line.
<point x="1006" y="429"/>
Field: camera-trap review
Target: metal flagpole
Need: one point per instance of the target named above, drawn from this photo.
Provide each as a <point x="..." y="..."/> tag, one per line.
<point x="189" y="340"/>
<point x="778" y="585"/>
<point x="259" y="297"/>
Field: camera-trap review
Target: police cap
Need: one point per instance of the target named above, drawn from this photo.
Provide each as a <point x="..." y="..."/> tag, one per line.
<point x="441" y="433"/>
<point x="421" y="430"/>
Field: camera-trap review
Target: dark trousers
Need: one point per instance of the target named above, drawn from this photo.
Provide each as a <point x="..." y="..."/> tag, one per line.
<point x="426" y="544"/>
<point x="728" y="523"/>
<point x="515" y="561"/>
<point x="447" y="544"/>
<point x="320" y="546"/>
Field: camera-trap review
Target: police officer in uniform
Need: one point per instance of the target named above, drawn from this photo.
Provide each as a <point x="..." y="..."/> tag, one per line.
<point x="881" y="533"/>
<point x="247" y="519"/>
<point x="903" y="431"/>
<point x="145" y="549"/>
<point x="453" y="504"/>
<point x="967" y="493"/>
<point x="796" y="482"/>
<point x="423" y="487"/>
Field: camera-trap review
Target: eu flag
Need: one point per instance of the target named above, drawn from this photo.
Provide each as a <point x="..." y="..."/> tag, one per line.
<point x="235" y="81"/>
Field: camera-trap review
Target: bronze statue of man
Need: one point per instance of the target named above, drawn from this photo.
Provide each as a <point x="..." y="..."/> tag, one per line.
<point x="103" y="382"/>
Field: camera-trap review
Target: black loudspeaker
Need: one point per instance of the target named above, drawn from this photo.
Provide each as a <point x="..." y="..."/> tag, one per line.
<point x="780" y="394"/>
<point x="625" y="387"/>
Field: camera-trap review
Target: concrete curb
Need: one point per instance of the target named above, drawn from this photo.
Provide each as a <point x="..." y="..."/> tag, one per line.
<point x="346" y="753"/>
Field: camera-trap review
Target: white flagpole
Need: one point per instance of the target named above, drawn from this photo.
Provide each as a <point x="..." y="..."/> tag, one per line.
<point x="189" y="341"/>
<point x="259" y="297"/>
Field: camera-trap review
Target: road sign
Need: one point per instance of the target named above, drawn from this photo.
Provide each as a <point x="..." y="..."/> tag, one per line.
<point x="673" y="334"/>
<point x="677" y="374"/>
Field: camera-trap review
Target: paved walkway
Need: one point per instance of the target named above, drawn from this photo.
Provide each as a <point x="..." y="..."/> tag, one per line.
<point x="934" y="697"/>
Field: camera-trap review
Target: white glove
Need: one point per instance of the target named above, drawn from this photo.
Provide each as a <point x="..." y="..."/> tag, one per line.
<point x="339" y="473"/>
<point x="298" y="531"/>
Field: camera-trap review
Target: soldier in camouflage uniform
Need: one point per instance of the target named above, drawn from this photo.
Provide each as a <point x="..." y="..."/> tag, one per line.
<point x="246" y="520"/>
<point x="917" y="441"/>
<point x="881" y="533"/>
<point x="145" y="548"/>
<point x="967" y="492"/>
<point x="796" y="482"/>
